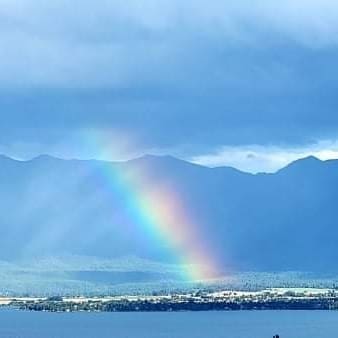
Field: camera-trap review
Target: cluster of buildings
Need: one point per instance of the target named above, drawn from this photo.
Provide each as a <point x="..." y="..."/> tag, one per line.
<point x="271" y="299"/>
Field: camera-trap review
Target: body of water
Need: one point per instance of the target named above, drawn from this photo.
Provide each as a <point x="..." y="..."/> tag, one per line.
<point x="241" y="324"/>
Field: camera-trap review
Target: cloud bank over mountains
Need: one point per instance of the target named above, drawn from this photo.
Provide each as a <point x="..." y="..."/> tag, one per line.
<point x="185" y="78"/>
<point x="256" y="159"/>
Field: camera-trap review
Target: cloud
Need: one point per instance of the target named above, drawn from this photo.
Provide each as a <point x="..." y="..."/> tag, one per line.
<point x="169" y="74"/>
<point x="254" y="159"/>
<point x="85" y="44"/>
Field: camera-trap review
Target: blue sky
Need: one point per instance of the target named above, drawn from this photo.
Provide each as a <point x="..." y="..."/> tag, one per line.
<point x="251" y="84"/>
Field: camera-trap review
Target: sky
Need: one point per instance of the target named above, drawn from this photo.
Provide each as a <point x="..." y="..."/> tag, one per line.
<point x="251" y="84"/>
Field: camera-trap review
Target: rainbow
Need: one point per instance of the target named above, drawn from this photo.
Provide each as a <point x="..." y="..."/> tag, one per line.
<point x="160" y="212"/>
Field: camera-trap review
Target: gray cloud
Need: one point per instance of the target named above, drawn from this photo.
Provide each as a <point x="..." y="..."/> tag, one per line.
<point x="85" y="44"/>
<point x="187" y="76"/>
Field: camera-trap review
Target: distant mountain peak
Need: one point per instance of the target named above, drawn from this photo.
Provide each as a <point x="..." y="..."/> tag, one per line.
<point x="159" y="157"/>
<point x="5" y="158"/>
<point x="306" y="163"/>
<point x="44" y="157"/>
<point x="310" y="158"/>
<point x="164" y="160"/>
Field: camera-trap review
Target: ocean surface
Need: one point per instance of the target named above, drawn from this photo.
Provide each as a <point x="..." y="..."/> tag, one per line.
<point x="242" y="324"/>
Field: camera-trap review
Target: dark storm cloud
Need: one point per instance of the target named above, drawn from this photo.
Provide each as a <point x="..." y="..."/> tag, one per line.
<point x="173" y="73"/>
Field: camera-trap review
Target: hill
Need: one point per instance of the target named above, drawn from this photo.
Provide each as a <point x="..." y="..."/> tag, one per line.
<point x="265" y="222"/>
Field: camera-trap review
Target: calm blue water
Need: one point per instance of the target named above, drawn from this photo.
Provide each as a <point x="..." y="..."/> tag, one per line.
<point x="243" y="324"/>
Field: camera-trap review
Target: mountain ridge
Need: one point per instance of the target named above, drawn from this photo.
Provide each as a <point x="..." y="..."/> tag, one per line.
<point x="260" y="222"/>
<point x="150" y="157"/>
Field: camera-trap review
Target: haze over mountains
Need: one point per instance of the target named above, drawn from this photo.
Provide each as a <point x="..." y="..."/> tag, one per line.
<point x="265" y="222"/>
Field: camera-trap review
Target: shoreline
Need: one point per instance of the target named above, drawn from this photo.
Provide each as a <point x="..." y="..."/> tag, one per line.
<point x="227" y="300"/>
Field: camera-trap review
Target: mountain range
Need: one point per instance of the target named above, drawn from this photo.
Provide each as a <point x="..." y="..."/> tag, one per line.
<point x="264" y="222"/>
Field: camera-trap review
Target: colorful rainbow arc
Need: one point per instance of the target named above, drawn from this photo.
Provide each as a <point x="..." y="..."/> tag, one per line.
<point x="160" y="213"/>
